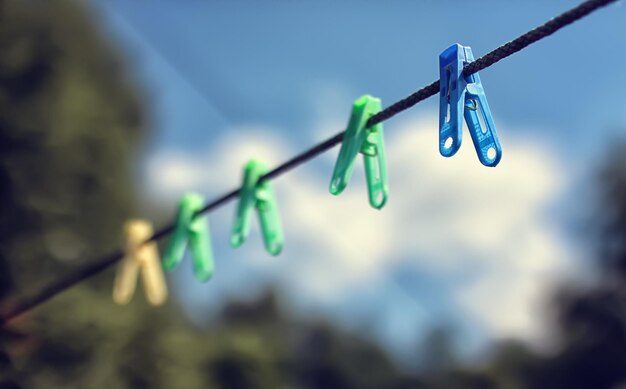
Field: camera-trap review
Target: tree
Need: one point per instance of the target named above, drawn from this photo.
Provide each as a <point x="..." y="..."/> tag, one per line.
<point x="591" y="319"/>
<point x="69" y="120"/>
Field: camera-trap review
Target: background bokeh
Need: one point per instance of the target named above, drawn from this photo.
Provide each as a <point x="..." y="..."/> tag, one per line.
<point x="470" y="277"/>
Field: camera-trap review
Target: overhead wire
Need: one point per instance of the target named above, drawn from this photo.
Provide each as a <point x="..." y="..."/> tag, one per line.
<point x="496" y="55"/>
<point x="173" y="65"/>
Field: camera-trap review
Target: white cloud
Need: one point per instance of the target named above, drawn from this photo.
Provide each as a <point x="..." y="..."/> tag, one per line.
<point x="172" y="172"/>
<point x="454" y="216"/>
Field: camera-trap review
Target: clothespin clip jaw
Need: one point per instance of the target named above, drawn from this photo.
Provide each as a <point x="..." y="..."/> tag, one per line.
<point x="451" y="100"/>
<point x="191" y="230"/>
<point x="260" y="196"/>
<point x="483" y="131"/>
<point x="459" y="97"/>
<point x="358" y="138"/>
<point x="139" y="257"/>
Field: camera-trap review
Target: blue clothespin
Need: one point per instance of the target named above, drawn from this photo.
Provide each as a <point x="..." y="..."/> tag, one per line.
<point x="464" y="96"/>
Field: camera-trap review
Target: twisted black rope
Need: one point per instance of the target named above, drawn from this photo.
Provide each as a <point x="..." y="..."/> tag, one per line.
<point x="481" y="63"/>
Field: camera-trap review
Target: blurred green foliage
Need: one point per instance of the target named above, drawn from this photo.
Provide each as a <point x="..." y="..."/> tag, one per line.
<point x="70" y="122"/>
<point x="70" y="125"/>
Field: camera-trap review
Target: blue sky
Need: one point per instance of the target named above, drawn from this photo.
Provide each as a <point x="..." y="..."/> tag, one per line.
<point x="459" y="244"/>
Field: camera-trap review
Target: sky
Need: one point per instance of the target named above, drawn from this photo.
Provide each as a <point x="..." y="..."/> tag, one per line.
<point x="458" y="245"/>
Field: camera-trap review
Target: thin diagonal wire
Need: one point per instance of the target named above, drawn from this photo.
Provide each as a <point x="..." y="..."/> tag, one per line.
<point x="209" y="98"/>
<point x="481" y="63"/>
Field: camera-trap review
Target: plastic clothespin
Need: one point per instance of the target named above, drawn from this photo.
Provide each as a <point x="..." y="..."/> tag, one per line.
<point x="192" y="230"/>
<point x="139" y="256"/>
<point x="259" y="195"/>
<point x="369" y="142"/>
<point x="464" y="96"/>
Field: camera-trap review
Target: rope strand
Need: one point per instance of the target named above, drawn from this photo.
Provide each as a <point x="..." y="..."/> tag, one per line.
<point x="481" y="63"/>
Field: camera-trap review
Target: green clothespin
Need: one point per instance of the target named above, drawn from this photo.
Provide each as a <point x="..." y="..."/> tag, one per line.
<point x="195" y="232"/>
<point x="259" y="195"/>
<point x="369" y="142"/>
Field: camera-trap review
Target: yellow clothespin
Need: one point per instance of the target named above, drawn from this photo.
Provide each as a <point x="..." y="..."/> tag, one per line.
<point x="144" y="257"/>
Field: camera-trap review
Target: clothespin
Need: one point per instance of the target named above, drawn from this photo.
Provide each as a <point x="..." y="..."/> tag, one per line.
<point x="259" y="195"/>
<point x="139" y="256"/>
<point x="464" y="96"/>
<point x="369" y="142"/>
<point x="193" y="230"/>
